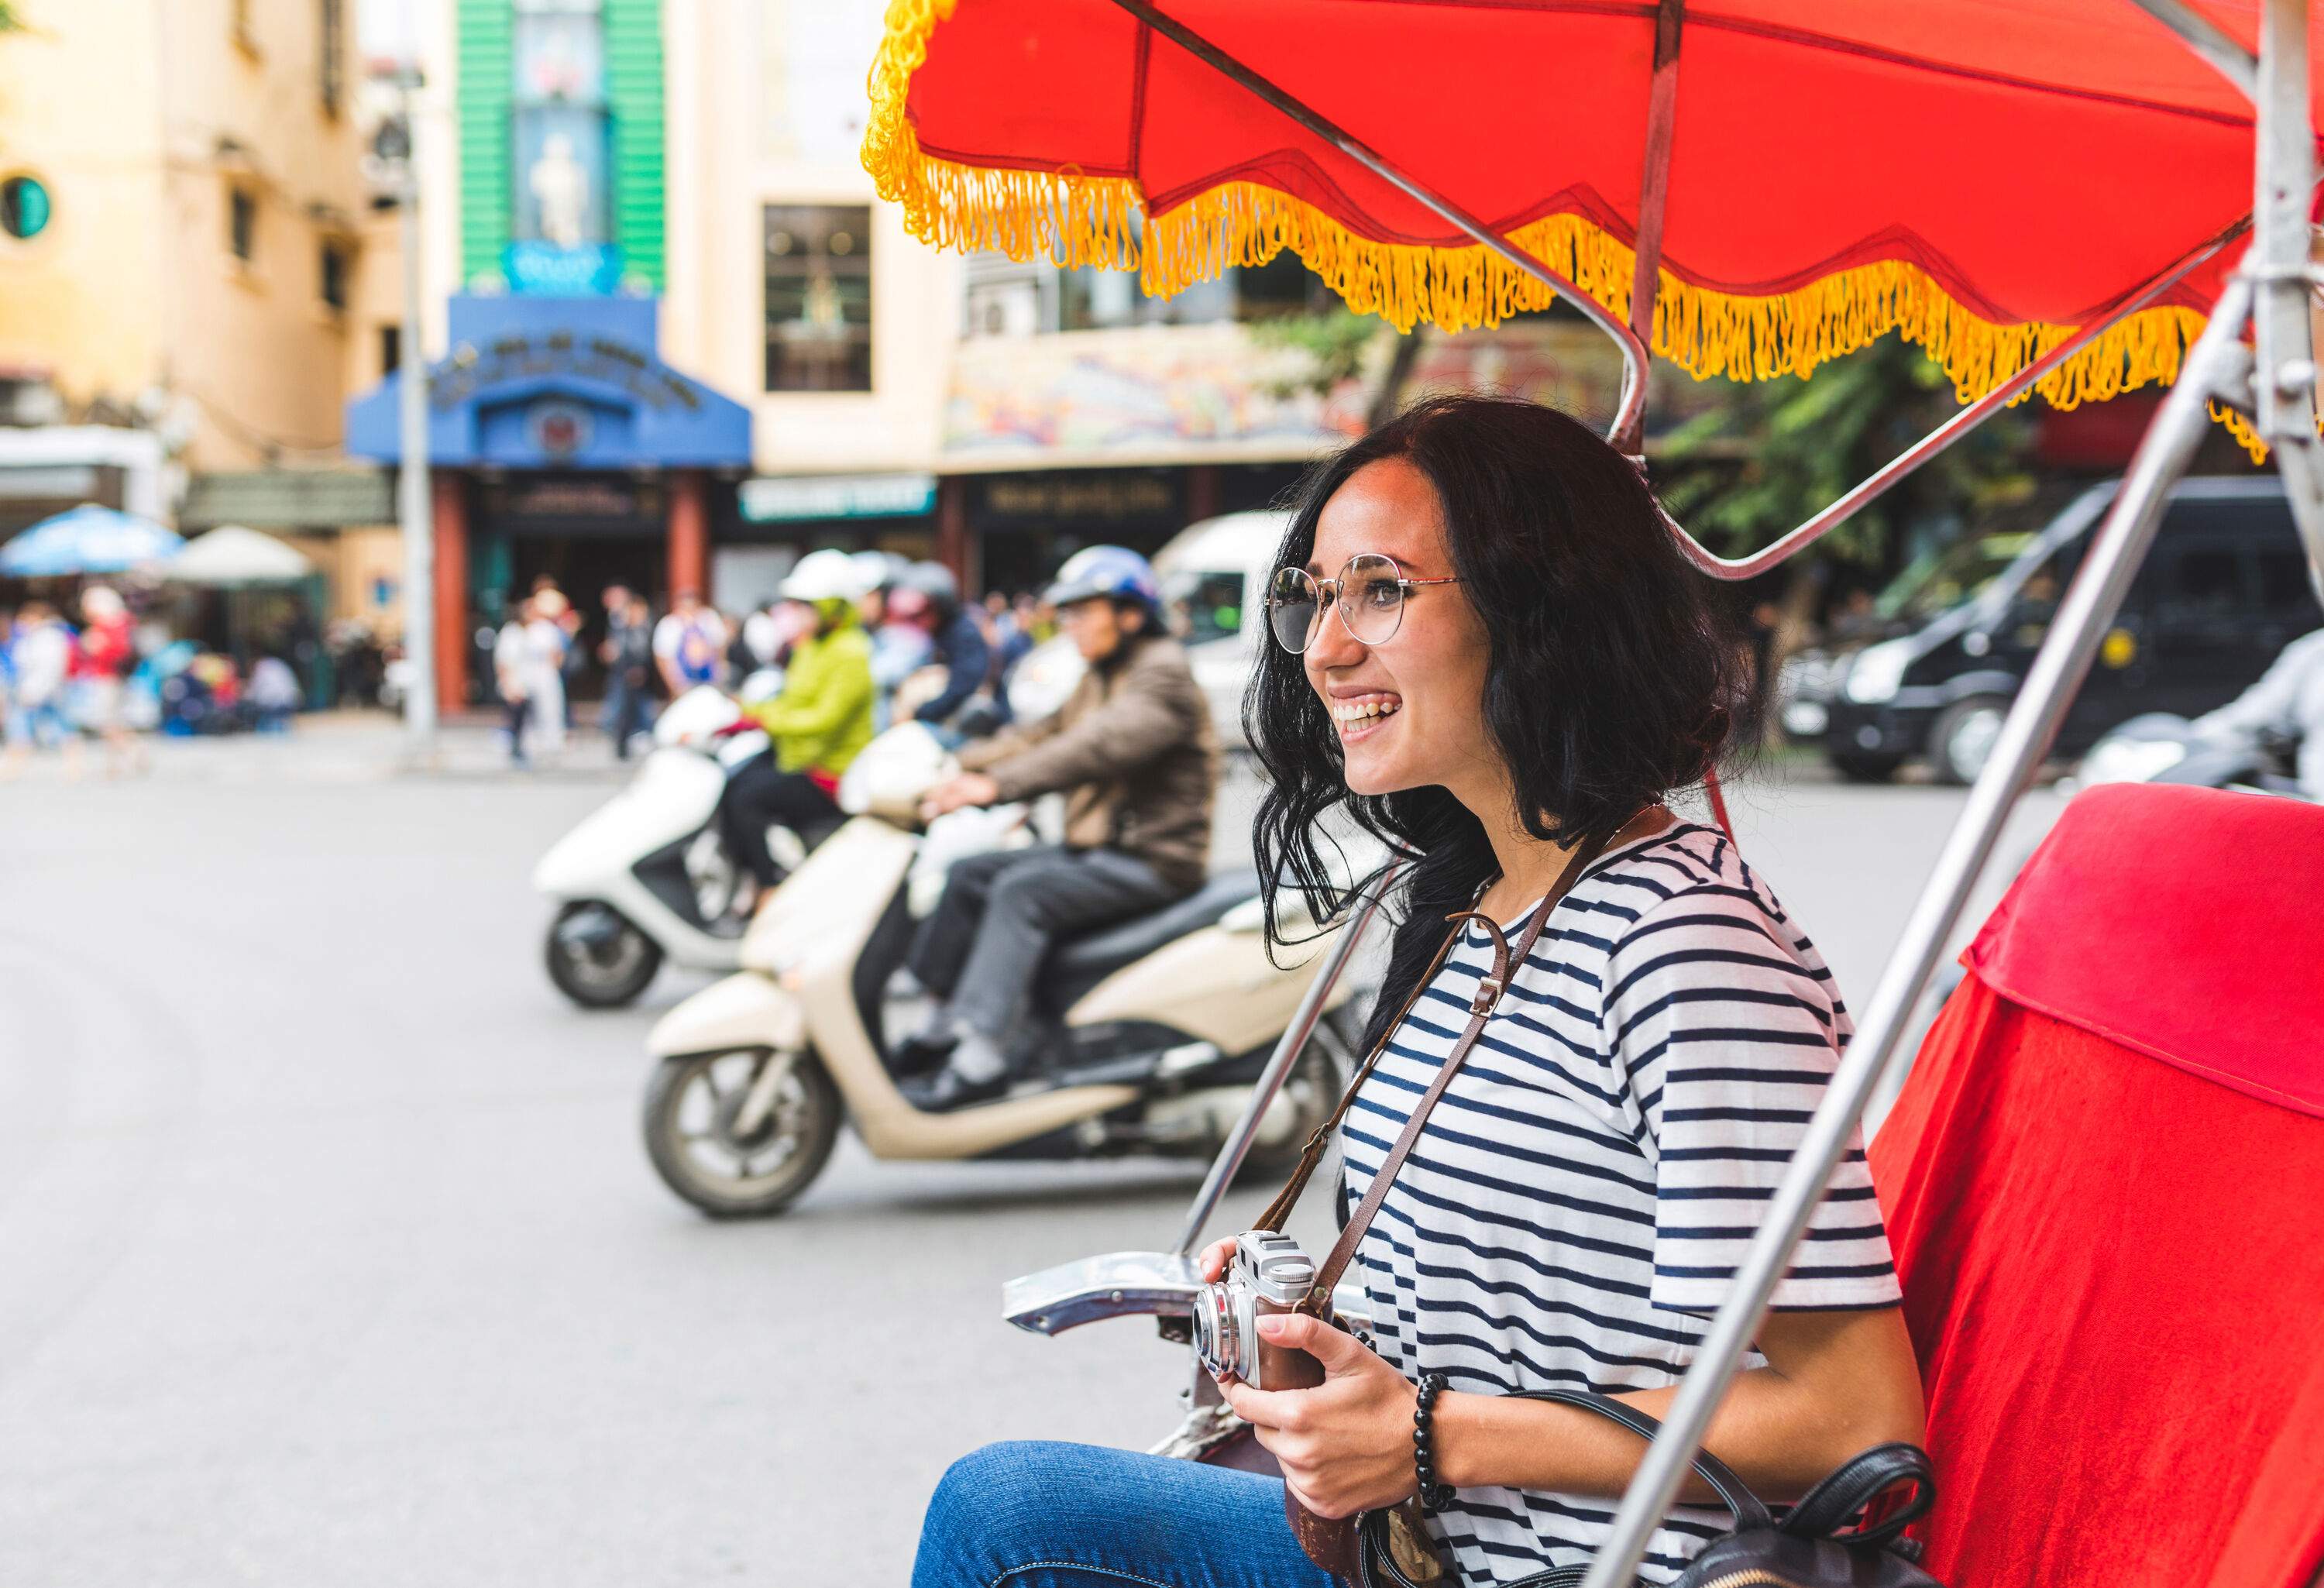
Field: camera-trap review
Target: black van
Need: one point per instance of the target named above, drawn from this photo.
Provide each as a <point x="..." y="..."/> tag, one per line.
<point x="2223" y="590"/>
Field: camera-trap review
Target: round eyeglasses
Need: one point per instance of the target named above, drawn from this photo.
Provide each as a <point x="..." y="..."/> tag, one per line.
<point x="1370" y="594"/>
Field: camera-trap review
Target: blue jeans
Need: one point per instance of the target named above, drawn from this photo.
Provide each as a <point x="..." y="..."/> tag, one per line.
<point x="626" y="712"/>
<point x="1047" y="1515"/>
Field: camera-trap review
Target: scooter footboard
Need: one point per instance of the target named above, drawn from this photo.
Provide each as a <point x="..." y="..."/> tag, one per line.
<point x="743" y="1010"/>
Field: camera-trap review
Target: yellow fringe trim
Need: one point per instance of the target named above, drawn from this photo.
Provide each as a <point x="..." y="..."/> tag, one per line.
<point x="1074" y="219"/>
<point x="2239" y="426"/>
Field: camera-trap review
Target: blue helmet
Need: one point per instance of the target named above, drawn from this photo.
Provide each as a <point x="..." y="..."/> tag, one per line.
<point x="1113" y="571"/>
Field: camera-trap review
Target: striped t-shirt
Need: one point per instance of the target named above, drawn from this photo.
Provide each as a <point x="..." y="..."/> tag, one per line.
<point x="1587" y="1184"/>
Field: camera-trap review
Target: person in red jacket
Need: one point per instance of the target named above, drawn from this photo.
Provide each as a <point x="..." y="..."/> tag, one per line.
<point x="104" y="655"/>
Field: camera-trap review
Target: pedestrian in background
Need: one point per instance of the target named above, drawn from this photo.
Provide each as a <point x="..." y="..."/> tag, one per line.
<point x="627" y="652"/>
<point x="689" y="644"/>
<point x="103" y="656"/>
<point x="10" y="728"/>
<point x="40" y="655"/>
<point x="573" y="659"/>
<point x="511" y="677"/>
<point x="273" y="694"/>
<point x="545" y="647"/>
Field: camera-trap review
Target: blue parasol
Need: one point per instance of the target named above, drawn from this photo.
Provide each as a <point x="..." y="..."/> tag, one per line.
<point x="86" y="539"/>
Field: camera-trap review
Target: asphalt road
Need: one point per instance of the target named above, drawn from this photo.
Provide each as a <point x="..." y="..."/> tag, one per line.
<point x="329" y="1255"/>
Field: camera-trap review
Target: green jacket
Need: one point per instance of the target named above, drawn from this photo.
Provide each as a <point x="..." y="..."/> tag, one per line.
<point x="822" y="718"/>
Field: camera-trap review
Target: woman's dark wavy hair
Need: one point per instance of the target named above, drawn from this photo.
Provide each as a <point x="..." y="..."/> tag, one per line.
<point x="1617" y="674"/>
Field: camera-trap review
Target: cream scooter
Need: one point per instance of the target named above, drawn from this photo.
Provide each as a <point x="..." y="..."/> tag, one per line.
<point x="1149" y="1033"/>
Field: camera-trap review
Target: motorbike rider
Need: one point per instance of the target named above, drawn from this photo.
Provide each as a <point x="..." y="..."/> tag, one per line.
<point x="820" y="722"/>
<point x="1135" y="752"/>
<point x="960" y="646"/>
<point x="2287" y="703"/>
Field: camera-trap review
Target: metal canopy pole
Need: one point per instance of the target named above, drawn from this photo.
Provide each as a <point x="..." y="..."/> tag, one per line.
<point x="1629" y="416"/>
<point x="1629" y="433"/>
<point x="1278" y="1067"/>
<point x="1882" y="479"/>
<point x="2218" y="363"/>
<point x="2284" y="385"/>
<point x="2283" y="397"/>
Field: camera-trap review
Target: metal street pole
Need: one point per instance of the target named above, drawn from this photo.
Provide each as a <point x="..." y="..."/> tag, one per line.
<point x="414" y="506"/>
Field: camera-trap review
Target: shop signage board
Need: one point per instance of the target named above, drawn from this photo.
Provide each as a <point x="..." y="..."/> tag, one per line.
<point x="773" y="500"/>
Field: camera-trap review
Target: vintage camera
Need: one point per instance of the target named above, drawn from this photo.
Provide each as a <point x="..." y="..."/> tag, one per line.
<point x="1268" y="1273"/>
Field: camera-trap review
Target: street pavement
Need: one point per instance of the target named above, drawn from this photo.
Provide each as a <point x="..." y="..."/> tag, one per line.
<point x="329" y="1253"/>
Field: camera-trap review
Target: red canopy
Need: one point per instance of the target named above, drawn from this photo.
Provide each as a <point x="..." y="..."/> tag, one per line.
<point x="2101" y="1184"/>
<point x="1982" y="176"/>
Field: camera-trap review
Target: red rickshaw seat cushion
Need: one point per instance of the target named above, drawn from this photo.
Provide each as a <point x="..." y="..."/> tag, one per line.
<point x="2103" y="1183"/>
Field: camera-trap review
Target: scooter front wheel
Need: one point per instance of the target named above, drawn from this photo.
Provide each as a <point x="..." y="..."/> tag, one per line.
<point x="597" y="958"/>
<point x="700" y="1146"/>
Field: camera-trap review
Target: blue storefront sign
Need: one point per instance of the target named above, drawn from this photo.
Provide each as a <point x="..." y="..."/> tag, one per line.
<point x="557" y="383"/>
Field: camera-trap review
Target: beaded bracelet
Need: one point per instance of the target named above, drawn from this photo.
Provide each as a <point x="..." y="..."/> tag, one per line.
<point x="1434" y="1496"/>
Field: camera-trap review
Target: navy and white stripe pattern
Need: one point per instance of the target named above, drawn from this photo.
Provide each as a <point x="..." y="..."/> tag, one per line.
<point x="1587" y="1182"/>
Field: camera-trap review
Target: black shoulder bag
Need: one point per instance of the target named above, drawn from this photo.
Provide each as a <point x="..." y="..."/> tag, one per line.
<point x="1809" y="1548"/>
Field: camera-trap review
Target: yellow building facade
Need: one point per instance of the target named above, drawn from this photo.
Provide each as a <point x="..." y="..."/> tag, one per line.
<point x="204" y="196"/>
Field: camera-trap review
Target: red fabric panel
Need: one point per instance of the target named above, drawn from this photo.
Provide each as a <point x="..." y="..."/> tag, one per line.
<point x="2212" y="961"/>
<point x="2037" y="158"/>
<point x="2113" y="1285"/>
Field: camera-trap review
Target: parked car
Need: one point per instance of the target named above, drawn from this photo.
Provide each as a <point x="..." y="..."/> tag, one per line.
<point x="2223" y="590"/>
<point x="1215" y="577"/>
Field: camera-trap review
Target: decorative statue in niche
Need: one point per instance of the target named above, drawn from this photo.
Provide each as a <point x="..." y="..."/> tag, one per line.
<point x="560" y="185"/>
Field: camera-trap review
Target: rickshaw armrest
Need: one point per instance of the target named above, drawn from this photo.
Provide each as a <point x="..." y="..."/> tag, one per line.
<point x="1125" y="1284"/>
<point x="1116" y="1284"/>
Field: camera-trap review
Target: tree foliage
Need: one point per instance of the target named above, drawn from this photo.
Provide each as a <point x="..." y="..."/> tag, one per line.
<point x="1780" y="450"/>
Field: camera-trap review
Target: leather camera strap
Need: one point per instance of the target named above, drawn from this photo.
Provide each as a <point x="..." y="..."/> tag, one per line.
<point x="1480" y="1009"/>
<point x="1312" y="1153"/>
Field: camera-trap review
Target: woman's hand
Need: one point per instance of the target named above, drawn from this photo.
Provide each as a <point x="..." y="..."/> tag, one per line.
<point x="1213" y="1263"/>
<point x="1346" y="1444"/>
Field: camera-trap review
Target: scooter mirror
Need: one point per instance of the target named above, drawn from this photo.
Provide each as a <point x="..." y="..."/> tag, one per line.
<point x="693" y="717"/>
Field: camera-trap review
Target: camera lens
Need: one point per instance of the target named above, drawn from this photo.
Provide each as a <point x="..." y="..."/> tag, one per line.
<point x="1214" y="1331"/>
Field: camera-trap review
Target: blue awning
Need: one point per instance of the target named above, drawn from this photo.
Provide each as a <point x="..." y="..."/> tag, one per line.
<point x="556" y="383"/>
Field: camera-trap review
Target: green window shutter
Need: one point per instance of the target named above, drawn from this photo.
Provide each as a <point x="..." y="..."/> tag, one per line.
<point x="487" y="76"/>
<point x="633" y="89"/>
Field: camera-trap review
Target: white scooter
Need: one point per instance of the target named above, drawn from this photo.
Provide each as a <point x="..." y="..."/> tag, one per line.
<point x="1149" y="1035"/>
<point x="647" y="877"/>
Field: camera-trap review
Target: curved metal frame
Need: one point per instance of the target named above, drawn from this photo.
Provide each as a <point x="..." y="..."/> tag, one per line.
<point x="2276" y="379"/>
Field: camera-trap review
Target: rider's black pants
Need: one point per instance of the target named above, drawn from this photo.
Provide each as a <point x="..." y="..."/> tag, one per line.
<point x="757" y="798"/>
<point x="984" y="944"/>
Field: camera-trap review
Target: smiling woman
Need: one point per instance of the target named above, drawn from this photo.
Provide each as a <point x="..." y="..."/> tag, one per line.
<point x="1490" y="651"/>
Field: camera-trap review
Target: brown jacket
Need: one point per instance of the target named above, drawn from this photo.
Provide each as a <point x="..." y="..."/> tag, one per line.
<point x="1134" y="747"/>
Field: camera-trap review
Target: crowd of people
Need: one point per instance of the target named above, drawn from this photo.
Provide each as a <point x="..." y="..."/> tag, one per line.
<point x="61" y="683"/>
<point x="115" y="674"/>
<point x="910" y="617"/>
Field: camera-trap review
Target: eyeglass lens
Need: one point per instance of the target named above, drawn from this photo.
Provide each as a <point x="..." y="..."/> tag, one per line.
<point x="1370" y="597"/>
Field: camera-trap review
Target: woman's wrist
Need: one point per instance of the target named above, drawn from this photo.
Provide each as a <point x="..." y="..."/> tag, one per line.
<point x="1453" y="1438"/>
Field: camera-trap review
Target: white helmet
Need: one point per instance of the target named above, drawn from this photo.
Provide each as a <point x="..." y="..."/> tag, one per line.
<point x="827" y="575"/>
<point x="876" y="570"/>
